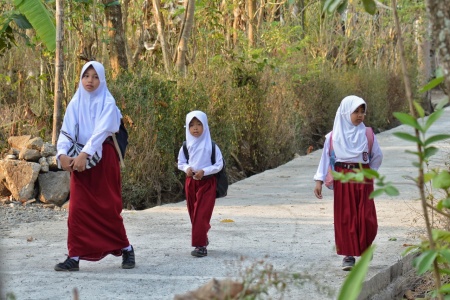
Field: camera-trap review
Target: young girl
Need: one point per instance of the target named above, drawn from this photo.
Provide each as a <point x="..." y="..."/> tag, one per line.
<point x="355" y="219"/>
<point x="200" y="186"/>
<point x="95" y="226"/>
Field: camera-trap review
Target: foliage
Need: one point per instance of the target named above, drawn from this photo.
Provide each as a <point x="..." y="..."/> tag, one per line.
<point x="41" y="19"/>
<point x="353" y="283"/>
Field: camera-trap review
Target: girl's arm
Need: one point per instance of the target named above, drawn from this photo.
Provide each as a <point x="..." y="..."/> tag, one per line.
<point x="213" y="169"/>
<point x="322" y="169"/>
<point x="377" y="155"/>
<point x="183" y="163"/>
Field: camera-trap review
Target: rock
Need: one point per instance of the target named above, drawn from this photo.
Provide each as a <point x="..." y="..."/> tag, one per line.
<point x="48" y="149"/>
<point x="19" y="142"/>
<point x="52" y="163"/>
<point x="54" y="187"/>
<point x="44" y="165"/>
<point x="35" y="143"/>
<point x="19" y="177"/>
<point x="29" y="154"/>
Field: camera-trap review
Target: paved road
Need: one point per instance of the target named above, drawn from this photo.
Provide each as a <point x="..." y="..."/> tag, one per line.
<point x="276" y="220"/>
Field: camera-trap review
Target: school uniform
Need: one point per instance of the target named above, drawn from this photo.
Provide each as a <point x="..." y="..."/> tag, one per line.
<point x="355" y="219"/>
<point x="200" y="194"/>
<point x="95" y="226"/>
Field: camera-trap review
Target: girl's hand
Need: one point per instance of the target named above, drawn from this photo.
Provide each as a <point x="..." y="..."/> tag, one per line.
<point x="189" y="172"/>
<point x="66" y="162"/>
<point x="199" y="175"/>
<point x="318" y="189"/>
<point x="79" y="162"/>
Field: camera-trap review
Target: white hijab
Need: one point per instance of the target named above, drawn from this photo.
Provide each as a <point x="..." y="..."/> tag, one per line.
<point x="349" y="141"/>
<point x="199" y="148"/>
<point x="95" y="112"/>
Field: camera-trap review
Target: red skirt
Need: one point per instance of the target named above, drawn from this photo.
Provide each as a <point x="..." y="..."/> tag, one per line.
<point x="95" y="225"/>
<point x="355" y="217"/>
<point x="200" y="199"/>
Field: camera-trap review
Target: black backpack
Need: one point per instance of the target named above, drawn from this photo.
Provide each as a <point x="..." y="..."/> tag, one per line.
<point x="222" y="179"/>
<point x="122" y="138"/>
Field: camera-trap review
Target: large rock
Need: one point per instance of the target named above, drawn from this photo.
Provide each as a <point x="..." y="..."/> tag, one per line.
<point x="54" y="187"/>
<point x="19" y="177"/>
<point x="19" y="142"/>
<point x="30" y="154"/>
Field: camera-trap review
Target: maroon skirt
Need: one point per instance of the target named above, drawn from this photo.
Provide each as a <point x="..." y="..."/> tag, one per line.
<point x="95" y="225"/>
<point x="355" y="217"/>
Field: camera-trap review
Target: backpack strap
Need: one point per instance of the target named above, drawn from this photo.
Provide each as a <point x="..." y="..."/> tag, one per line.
<point x="185" y="150"/>
<point x="213" y="153"/>
<point x="370" y="138"/>
<point x="116" y="144"/>
<point x="369" y="135"/>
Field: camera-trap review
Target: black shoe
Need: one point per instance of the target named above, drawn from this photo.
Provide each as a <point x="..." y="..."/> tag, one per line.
<point x="68" y="265"/>
<point x="347" y="263"/>
<point x="128" y="261"/>
<point x="199" y="252"/>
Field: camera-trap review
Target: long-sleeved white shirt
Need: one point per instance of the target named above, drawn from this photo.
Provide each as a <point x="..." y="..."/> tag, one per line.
<point x="375" y="159"/>
<point x="209" y="170"/>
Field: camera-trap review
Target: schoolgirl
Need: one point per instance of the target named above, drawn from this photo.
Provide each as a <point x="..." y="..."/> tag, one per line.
<point x="95" y="226"/>
<point x="355" y="219"/>
<point x="200" y="185"/>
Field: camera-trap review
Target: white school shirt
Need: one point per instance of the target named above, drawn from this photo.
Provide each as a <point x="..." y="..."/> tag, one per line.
<point x="374" y="163"/>
<point x="213" y="169"/>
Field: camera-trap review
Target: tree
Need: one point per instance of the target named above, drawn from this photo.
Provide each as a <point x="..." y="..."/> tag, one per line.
<point x="186" y="29"/>
<point x="117" y="48"/>
<point x="439" y="15"/>
<point x="59" y="70"/>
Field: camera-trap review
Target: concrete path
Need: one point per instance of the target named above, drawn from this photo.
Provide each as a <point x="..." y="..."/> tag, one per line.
<point x="271" y="218"/>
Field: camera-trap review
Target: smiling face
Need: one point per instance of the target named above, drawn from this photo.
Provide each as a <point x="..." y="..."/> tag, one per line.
<point x="357" y="117"/>
<point x="90" y="80"/>
<point x="195" y="127"/>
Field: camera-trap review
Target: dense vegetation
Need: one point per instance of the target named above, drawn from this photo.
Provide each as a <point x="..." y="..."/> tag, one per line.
<point x="269" y="95"/>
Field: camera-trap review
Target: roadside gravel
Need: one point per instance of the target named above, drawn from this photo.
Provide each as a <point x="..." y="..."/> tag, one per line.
<point x="15" y="213"/>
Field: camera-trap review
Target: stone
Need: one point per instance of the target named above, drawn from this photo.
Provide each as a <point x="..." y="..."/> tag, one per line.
<point x="35" y="143"/>
<point x="29" y="154"/>
<point x="54" y="187"/>
<point x="48" y="149"/>
<point x="18" y="142"/>
<point x="19" y="177"/>
<point x="44" y="165"/>
<point x="52" y="163"/>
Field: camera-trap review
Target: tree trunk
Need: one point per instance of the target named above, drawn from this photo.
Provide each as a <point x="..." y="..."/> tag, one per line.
<point x="186" y="29"/>
<point x="439" y="14"/>
<point x="59" y="69"/>
<point x="161" y="36"/>
<point x="422" y="40"/>
<point x="251" y="9"/>
<point x="236" y="21"/>
<point x="117" y="48"/>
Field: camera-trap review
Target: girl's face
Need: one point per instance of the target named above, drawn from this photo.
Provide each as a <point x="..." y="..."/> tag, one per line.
<point x="195" y="127"/>
<point x="90" y="80"/>
<point x="357" y="117"/>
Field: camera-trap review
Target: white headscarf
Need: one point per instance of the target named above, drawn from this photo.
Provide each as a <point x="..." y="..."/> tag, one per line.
<point x="199" y="148"/>
<point x="95" y="112"/>
<point x="349" y="141"/>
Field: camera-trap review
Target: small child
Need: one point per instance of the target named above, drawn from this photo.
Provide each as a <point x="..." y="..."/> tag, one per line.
<point x="95" y="226"/>
<point x="200" y="186"/>
<point x="355" y="218"/>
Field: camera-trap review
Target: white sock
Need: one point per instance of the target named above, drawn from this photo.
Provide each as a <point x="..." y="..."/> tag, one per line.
<point x="127" y="248"/>
<point x="77" y="258"/>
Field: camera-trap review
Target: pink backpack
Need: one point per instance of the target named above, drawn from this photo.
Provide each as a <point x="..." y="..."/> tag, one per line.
<point x="329" y="178"/>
